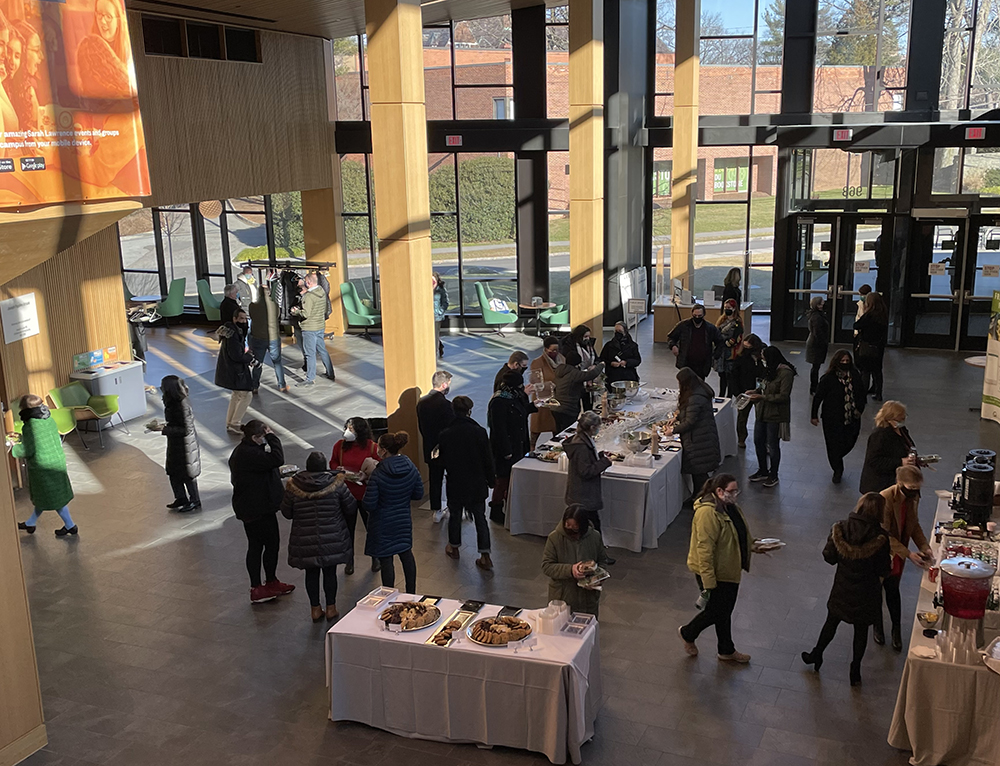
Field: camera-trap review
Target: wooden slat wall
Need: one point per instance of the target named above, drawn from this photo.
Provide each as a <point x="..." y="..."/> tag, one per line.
<point x="220" y="129"/>
<point x="81" y="307"/>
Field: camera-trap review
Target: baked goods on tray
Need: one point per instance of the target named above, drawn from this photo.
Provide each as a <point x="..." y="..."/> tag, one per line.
<point x="410" y="615"/>
<point x="443" y="636"/>
<point x="498" y="631"/>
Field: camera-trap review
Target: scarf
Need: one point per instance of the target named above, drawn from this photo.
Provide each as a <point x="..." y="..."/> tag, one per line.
<point x="741" y="535"/>
<point x="850" y="406"/>
<point x="553" y="363"/>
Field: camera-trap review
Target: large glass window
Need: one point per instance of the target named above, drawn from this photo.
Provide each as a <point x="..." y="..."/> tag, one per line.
<point x="140" y="263"/>
<point x="558" y="194"/>
<point x="359" y="226"/>
<point x="970" y="62"/>
<point x="557" y="61"/>
<point x="835" y="174"/>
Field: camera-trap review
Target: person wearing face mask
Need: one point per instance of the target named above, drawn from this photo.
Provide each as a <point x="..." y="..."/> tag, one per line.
<point x="357" y="453"/>
<point x="696" y="343"/>
<point x="773" y="405"/>
<point x="818" y="341"/>
<point x="543" y="370"/>
<point x="841" y="394"/>
<point x="901" y="520"/>
<point x="570" y="380"/>
<point x="695" y="423"/>
<point x="586" y="465"/>
<point x="507" y="418"/>
<point x="730" y="326"/>
<point x="743" y="376"/>
<point x="434" y="414"/>
<point x="518" y="362"/>
<point x="889" y="446"/>
<point x="572" y="543"/>
<point x="581" y="341"/>
<point x="621" y="356"/>
<point x="718" y="555"/>
<point x="233" y="369"/>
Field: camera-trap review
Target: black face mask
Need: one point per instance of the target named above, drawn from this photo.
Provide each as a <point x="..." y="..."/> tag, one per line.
<point x="729" y="312"/>
<point x="910" y="493"/>
<point x="845" y="365"/>
<point x="697" y="321"/>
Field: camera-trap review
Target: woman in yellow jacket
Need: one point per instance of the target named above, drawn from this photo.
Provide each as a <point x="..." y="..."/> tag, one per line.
<point x="720" y="551"/>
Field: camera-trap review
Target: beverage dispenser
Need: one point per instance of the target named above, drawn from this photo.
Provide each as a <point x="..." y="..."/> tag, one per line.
<point x="974" y="495"/>
<point x="966" y="584"/>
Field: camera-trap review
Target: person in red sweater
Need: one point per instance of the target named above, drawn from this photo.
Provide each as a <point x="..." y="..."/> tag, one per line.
<point x="356" y="453"/>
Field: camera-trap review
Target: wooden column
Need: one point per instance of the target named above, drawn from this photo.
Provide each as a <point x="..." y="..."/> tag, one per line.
<point x="586" y="164"/>
<point x="685" y="155"/>
<point x="399" y="154"/>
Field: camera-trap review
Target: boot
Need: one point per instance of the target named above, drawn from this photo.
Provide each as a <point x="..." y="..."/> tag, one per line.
<point x="451" y="551"/>
<point x="813" y="658"/>
<point x="376" y="564"/>
<point x="316" y="613"/>
<point x="897" y="639"/>
<point x="485" y="562"/>
<point x="855" y="673"/>
<point x="331" y="612"/>
<point x="878" y="633"/>
<point x="349" y="568"/>
<point x="30" y="530"/>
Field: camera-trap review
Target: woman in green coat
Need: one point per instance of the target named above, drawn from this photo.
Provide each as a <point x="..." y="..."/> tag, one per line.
<point x="42" y="450"/>
<point x="573" y="542"/>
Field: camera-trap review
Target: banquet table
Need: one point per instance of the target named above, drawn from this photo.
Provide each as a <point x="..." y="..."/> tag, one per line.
<point x="544" y="699"/>
<point x="945" y="713"/>
<point x="639" y="503"/>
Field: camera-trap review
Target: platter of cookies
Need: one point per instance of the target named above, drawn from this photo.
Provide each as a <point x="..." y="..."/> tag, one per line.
<point x="410" y="615"/>
<point x="446" y="633"/>
<point x="498" y="631"/>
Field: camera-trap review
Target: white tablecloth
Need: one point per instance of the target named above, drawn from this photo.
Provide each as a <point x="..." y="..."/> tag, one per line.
<point x="639" y="503"/>
<point x="543" y="700"/>
<point x="945" y="713"/>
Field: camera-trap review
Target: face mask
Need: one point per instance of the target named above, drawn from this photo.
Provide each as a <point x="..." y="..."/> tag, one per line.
<point x="619" y="334"/>
<point x="571" y="532"/>
<point x="729" y="312"/>
<point x="349" y="436"/>
<point x="729" y="498"/>
<point x="447" y="391"/>
<point x="698" y="321"/>
<point x="910" y="493"/>
<point x="896" y="423"/>
<point x="553" y="353"/>
<point x="845" y="365"/>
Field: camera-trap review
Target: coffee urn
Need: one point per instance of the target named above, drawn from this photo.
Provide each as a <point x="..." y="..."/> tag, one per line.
<point x="974" y="496"/>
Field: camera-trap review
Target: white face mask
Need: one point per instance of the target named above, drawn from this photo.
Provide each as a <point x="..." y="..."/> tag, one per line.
<point x="349" y="435"/>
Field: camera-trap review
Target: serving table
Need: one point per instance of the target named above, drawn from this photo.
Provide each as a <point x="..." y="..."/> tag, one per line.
<point x="543" y="699"/>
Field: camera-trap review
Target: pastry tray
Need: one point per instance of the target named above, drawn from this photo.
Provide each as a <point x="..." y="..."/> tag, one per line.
<point x="468" y="634"/>
<point x="462" y="616"/>
<point x="393" y="628"/>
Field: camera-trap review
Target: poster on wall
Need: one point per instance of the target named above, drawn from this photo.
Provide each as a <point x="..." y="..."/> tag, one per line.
<point x="70" y="128"/>
<point x="991" y="380"/>
<point x="19" y="317"/>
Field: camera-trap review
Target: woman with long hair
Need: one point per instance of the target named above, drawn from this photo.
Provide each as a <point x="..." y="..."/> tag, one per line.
<point x="859" y="547"/>
<point x="743" y="376"/>
<point x="889" y="446"/>
<point x="700" y="451"/>
<point x="102" y="56"/>
<point x="572" y="543"/>
<point x="731" y="286"/>
<point x="871" y="337"/>
<point x="357" y="453"/>
<point x="581" y="341"/>
<point x="841" y="394"/>
<point x="818" y="341"/>
<point x="773" y="403"/>
<point x="183" y="462"/>
<point x="730" y="326"/>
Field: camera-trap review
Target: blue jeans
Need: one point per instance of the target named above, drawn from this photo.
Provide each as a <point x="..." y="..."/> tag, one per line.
<point x="269" y="351"/>
<point x="765" y="442"/>
<point x="313" y="344"/>
<point x="63" y="514"/>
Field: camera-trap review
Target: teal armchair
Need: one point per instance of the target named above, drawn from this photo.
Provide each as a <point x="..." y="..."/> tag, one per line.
<point x="209" y="302"/>
<point x="128" y="293"/>
<point x="77" y="398"/>
<point x="556" y="317"/>
<point x="358" y="314"/>
<point x="173" y="304"/>
<point x="491" y="318"/>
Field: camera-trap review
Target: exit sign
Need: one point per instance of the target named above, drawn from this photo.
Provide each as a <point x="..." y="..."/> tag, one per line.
<point x="975" y="134"/>
<point x="453" y="140"/>
<point x="843" y="134"/>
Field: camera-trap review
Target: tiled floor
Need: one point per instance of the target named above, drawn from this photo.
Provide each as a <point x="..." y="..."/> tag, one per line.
<point x="150" y="653"/>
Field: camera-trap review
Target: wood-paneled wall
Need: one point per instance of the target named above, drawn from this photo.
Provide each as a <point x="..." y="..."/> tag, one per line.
<point x="81" y="307"/>
<point x="220" y="129"/>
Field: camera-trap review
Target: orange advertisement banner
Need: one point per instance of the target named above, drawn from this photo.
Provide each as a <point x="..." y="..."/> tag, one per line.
<point x="70" y="128"/>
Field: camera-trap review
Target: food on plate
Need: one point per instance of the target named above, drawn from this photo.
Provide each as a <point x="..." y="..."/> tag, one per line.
<point x="498" y="631"/>
<point x="930" y="617"/>
<point x="410" y="615"/>
<point x="588" y="567"/>
<point x="443" y="636"/>
<point x="615" y="457"/>
<point x="548" y="456"/>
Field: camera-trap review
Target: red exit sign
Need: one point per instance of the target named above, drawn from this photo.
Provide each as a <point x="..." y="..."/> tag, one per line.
<point x="453" y="140"/>
<point x="843" y="134"/>
<point x="975" y="134"/>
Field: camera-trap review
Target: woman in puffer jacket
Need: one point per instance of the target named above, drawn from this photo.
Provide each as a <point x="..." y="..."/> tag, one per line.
<point x="319" y="504"/>
<point x="695" y="423"/>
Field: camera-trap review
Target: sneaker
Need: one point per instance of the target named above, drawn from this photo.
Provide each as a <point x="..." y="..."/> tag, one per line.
<point x="305" y="383"/>
<point x="234" y="430"/>
<point x="689" y="647"/>
<point x="739" y="657"/>
<point x="759" y="476"/>
<point x="284" y="389"/>
<point x="439" y="515"/>
<point x="279" y="588"/>
<point x="261" y="593"/>
<point x="770" y="481"/>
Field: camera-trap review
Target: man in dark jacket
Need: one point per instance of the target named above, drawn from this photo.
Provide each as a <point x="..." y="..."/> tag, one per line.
<point x="468" y="461"/>
<point x="518" y="362"/>
<point x="696" y="342"/>
<point x="257" y="493"/>
<point x="230" y="303"/>
<point x="621" y="356"/>
<point x="434" y="414"/>
<point x="507" y="418"/>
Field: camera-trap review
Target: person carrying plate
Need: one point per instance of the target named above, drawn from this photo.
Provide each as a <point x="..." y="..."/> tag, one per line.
<point x="569" y="550"/>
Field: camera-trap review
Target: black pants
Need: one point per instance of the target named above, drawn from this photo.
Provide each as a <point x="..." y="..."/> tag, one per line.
<point x="719" y="613"/>
<point x="698" y="480"/>
<point x="477" y="508"/>
<point x="329" y="584"/>
<point x="814" y="375"/>
<point x="263" y="538"/>
<point x="871" y="379"/>
<point x="767" y="442"/>
<point x="563" y="420"/>
<point x="891" y="587"/>
<point x="409" y="571"/>
<point x="185" y="490"/>
<point x="436" y="479"/>
<point x="840" y="440"/>
<point x="352" y="521"/>
<point x="829" y="630"/>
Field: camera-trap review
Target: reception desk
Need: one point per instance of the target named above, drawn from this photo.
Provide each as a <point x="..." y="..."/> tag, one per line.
<point x="665" y="317"/>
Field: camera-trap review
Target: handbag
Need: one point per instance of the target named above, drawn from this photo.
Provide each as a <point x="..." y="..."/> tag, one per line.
<point x="785" y="432"/>
<point x="866" y="352"/>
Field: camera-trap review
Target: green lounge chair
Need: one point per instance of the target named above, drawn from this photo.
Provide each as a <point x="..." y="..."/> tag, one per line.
<point x="556" y="317"/>
<point x="209" y="303"/>
<point x="497" y="319"/>
<point x="77" y="398"/>
<point x="358" y="314"/>
<point x="173" y="304"/>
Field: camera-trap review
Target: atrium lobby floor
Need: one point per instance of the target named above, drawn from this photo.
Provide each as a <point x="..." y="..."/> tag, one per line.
<point x="150" y="653"/>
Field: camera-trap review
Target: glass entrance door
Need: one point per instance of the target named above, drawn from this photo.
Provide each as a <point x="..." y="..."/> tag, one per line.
<point x="814" y="269"/>
<point x="982" y="277"/>
<point x="864" y="241"/>
<point x="935" y="276"/>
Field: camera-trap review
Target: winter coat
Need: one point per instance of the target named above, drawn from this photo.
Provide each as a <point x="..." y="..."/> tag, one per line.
<point x="183" y="455"/>
<point x="570" y="387"/>
<point x="901" y="530"/>
<point x="732" y="292"/>
<point x="245" y="292"/>
<point x="859" y="548"/>
<point x="319" y="506"/>
<point x="699" y="434"/>
<point x="745" y="372"/>
<point x="874" y="334"/>
<point x="507" y="418"/>
<point x="232" y="369"/>
<point x="885" y="453"/>
<point x="395" y="482"/>
<point x="440" y="302"/>
<point x="714" y="553"/>
<point x="498" y="378"/>
<point x="626" y="350"/>
<point x="264" y="318"/>
<point x="542" y="421"/>
<point x="313" y="310"/>
<point x="680" y="337"/>
<point x="434" y="414"/>
<point x="819" y="337"/>
<point x="468" y="461"/>
<point x="227" y="308"/>
<point x="776" y="406"/>
<point x="561" y="553"/>
<point x="253" y="472"/>
<point x="583" y="482"/>
<point x="830" y="394"/>
<point x="731" y="330"/>
<point x="42" y="450"/>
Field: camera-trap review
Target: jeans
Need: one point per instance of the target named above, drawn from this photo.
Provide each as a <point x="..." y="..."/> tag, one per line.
<point x="718" y="612"/>
<point x="890" y="585"/>
<point x="63" y="514"/>
<point x="478" y="510"/>
<point x="435" y="469"/>
<point x="269" y="350"/>
<point x="263" y="540"/>
<point x="829" y="630"/>
<point x="238" y="404"/>
<point x="409" y="571"/>
<point x="313" y="344"/>
<point x="766" y="442"/>
<point x="329" y="584"/>
<point x="742" y="416"/>
<point x="185" y="490"/>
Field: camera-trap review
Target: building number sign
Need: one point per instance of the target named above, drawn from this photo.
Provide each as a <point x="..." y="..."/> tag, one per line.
<point x="853" y="191"/>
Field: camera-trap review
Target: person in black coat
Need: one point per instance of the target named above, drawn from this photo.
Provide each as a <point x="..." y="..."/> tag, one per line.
<point x="518" y="362"/>
<point x="230" y="303"/>
<point x="621" y="356"/>
<point x="731" y="287"/>
<point x="183" y="463"/>
<point x="570" y="389"/>
<point x="507" y="418"/>
<point x="859" y="548"/>
<point x="233" y="369"/>
<point x="319" y="505"/>
<point x="586" y="465"/>
<point x="257" y="494"/>
<point x="889" y="447"/>
<point x="434" y="414"/>
<point x="468" y="462"/>
<point x="696" y="343"/>
<point x="818" y="341"/>
<point x="695" y="423"/>
<point x="841" y="394"/>
<point x="581" y="342"/>
<point x="871" y="334"/>
<point x="743" y="376"/>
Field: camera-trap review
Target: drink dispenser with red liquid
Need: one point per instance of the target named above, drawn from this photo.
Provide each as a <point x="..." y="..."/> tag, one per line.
<point x="965" y="587"/>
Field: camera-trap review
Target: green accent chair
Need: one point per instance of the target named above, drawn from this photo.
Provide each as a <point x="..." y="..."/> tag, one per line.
<point x="173" y="304"/>
<point x="209" y="302"/>
<point x="128" y="293"/>
<point x="77" y="398"/>
<point x="358" y="314"/>
<point x="497" y="319"/>
<point x="556" y="317"/>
